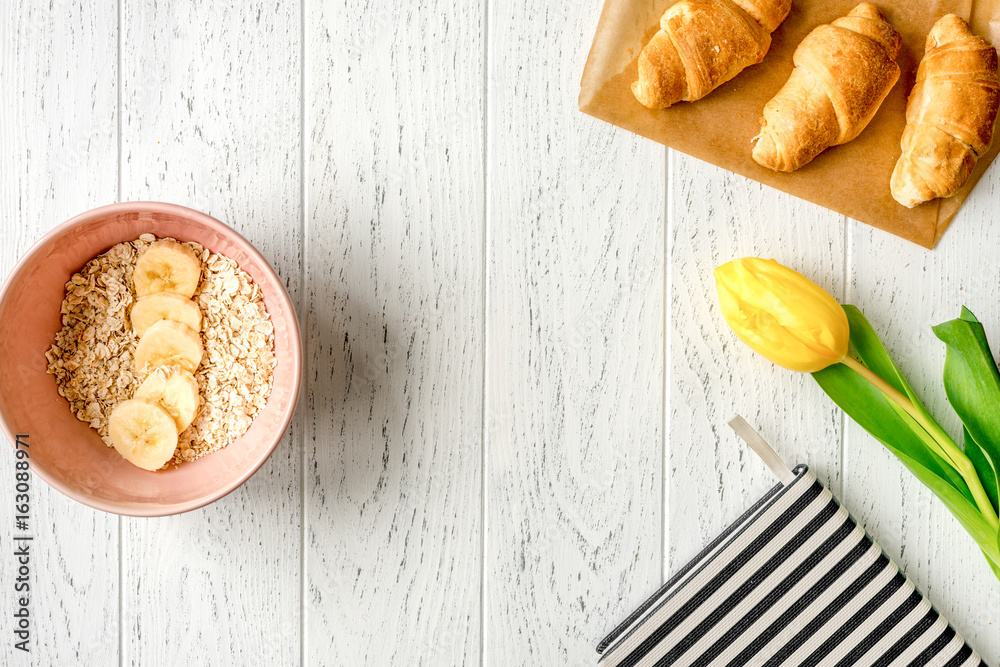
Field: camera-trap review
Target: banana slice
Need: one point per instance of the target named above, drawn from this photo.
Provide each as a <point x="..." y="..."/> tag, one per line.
<point x="143" y="433"/>
<point x="152" y="308"/>
<point x="168" y="343"/>
<point x="167" y="266"/>
<point x="175" y="390"/>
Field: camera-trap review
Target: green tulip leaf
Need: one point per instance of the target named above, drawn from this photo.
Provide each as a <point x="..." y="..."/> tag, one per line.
<point x="963" y="509"/>
<point x="867" y="406"/>
<point x="987" y="467"/>
<point x="902" y="434"/>
<point x="995" y="563"/>
<point x="993" y="566"/>
<point x="871" y="351"/>
<point x="882" y="418"/>
<point x="972" y="384"/>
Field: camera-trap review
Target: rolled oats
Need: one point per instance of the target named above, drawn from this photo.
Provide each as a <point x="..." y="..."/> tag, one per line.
<point x="92" y="355"/>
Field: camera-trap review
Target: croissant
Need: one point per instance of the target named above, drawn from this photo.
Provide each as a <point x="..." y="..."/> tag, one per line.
<point x="949" y="116"/>
<point x="701" y="44"/>
<point x="842" y="73"/>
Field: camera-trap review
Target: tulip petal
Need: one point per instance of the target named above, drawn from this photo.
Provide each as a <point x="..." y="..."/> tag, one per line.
<point x="781" y="314"/>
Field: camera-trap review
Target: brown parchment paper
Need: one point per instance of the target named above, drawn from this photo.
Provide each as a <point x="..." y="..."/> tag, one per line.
<point x="852" y="179"/>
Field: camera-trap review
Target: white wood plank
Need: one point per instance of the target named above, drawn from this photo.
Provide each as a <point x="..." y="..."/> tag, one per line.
<point x="395" y="336"/>
<point x="904" y="290"/>
<point x="575" y="349"/>
<point x="714" y="217"/>
<point x="58" y="157"/>
<point x="211" y="119"/>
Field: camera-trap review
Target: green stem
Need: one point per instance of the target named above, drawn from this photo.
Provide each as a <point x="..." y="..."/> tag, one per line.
<point x="950" y="451"/>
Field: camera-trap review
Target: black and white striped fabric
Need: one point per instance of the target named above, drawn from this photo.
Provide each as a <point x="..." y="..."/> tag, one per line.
<point x="795" y="581"/>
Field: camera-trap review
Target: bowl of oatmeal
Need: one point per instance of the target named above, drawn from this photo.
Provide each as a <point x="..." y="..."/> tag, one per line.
<point x="150" y="359"/>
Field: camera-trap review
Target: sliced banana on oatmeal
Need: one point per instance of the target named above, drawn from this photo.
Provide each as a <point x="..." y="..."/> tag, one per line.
<point x="167" y="266"/>
<point x="143" y="433"/>
<point x="152" y="308"/>
<point x="168" y="343"/>
<point x="175" y="390"/>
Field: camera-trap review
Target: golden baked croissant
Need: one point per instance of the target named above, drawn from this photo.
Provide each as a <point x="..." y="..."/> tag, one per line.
<point x="950" y="114"/>
<point x="701" y="44"/>
<point x="842" y="73"/>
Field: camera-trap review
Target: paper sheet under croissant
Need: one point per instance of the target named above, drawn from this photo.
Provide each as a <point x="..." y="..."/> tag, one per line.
<point x="852" y="179"/>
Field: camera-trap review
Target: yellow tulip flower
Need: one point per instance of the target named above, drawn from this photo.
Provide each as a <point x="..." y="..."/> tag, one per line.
<point x="781" y="314"/>
<point x="795" y="323"/>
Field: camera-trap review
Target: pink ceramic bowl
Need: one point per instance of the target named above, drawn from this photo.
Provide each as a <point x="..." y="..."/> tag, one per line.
<point x="66" y="452"/>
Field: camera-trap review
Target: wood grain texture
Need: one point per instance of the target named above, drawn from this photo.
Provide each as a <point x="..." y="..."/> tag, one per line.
<point x="395" y="334"/>
<point x="904" y="290"/>
<point x="517" y="375"/>
<point x="715" y="217"/>
<point x="58" y="157"/>
<point x="211" y="119"/>
<point x="575" y="350"/>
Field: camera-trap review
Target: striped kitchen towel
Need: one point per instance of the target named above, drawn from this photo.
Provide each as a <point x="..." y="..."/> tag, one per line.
<point x="795" y="581"/>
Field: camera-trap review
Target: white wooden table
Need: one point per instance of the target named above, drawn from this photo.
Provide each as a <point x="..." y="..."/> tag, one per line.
<point x="513" y="423"/>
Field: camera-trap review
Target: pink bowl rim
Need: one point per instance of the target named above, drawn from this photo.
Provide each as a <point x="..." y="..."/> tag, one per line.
<point x="296" y="353"/>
